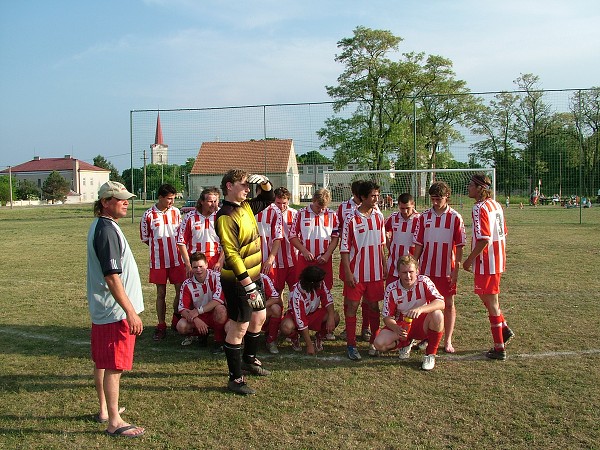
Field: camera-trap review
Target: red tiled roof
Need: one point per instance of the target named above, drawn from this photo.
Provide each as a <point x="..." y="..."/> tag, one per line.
<point x="50" y="164"/>
<point x="252" y="156"/>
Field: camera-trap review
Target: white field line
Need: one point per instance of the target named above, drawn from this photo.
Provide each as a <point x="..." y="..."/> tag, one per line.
<point x="334" y="358"/>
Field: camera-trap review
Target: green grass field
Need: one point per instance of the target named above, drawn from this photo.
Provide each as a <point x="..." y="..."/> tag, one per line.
<point x="546" y="395"/>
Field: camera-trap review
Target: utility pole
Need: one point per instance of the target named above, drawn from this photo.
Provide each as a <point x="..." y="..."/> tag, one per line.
<point x="10" y="185"/>
<point x="144" y="195"/>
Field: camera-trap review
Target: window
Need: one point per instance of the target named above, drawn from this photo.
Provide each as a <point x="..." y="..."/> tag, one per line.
<point x="83" y="181"/>
<point x="310" y="169"/>
<point x="92" y="181"/>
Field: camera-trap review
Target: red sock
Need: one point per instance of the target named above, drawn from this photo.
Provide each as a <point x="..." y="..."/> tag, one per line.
<point x="374" y="322"/>
<point x="433" y="341"/>
<point x="274" y="323"/>
<point x="351" y="330"/>
<point x="162" y="326"/>
<point x="496" y="327"/>
<point x="219" y="333"/>
<point x="365" y="316"/>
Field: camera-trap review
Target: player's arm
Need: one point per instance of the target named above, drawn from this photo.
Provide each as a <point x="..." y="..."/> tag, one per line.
<point x="457" y="261"/>
<point x="348" y="275"/>
<point x="268" y="265"/>
<point x="113" y="281"/>
<point x="480" y="245"/>
<point x="296" y="243"/>
<point x="144" y="234"/>
<point x="329" y="252"/>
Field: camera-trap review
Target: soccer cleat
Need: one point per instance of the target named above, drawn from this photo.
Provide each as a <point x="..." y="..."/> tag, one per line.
<point x="373" y="351"/>
<point x="217" y="348"/>
<point x="507" y="335"/>
<point x="421" y="346"/>
<point x="272" y="347"/>
<point x="318" y="343"/>
<point x="330" y="337"/>
<point x="428" y="362"/>
<point x="296" y="344"/>
<point x="159" y="334"/>
<point x="255" y="368"/>
<point x="353" y="353"/>
<point x="366" y="335"/>
<point x="239" y="386"/>
<point x="495" y="353"/>
<point x="404" y="352"/>
<point x="188" y="340"/>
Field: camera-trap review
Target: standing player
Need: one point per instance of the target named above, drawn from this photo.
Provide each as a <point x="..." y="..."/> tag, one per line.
<point x="158" y="230"/>
<point x="488" y="259"/>
<point x="310" y="308"/>
<point x="415" y="297"/>
<point x="439" y="241"/>
<point x="197" y="232"/>
<point x="240" y="276"/>
<point x="285" y="265"/>
<point x="270" y="230"/>
<point x="114" y="294"/>
<point x="400" y="229"/>
<point x="361" y="250"/>
<point x="201" y="304"/>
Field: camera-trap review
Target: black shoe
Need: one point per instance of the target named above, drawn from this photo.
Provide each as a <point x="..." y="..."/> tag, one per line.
<point x="217" y="348"/>
<point x="494" y="353"/>
<point x="255" y="369"/>
<point x="239" y="386"/>
<point x="507" y="335"/>
<point x="203" y="340"/>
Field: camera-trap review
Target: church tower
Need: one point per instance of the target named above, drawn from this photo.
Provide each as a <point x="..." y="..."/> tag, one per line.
<point x="159" y="151"/>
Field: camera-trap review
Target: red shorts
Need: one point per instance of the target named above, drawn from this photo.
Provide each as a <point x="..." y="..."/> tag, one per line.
<point x="282" y="276"/>
<point x="112" y="346"/>
<point x="487" y="284"/>
<point x="443" y="286"/>
<point x="416" y="329"/>
<point x="302" y="264"/>
<point x="314" y="320"/>
<point x="370" y="291"/>
<point x="175" y="275"/>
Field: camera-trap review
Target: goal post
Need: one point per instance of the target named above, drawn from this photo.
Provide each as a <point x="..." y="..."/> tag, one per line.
<point x="416" y="182"/>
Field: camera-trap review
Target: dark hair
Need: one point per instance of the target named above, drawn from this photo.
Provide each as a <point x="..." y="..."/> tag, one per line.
<point x="484" y="182"/>
<point x="405" y="197"/>
<point x="99" y="207"/>
<point x="204" y="193"/>
<point x="311" y="278"/>
<point x="440" y="189"/>
<point x="231" y="176"/>
<point x="365" y="188"/>
<point x="282" y="192"/>
<point x="166" y="189"/>
<point x="197" y="256"/>
<point x="354" y="186"/>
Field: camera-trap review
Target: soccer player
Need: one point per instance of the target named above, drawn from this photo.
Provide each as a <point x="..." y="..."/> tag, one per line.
<point x="270" y="230"/>
<point x="343" y="210"/>
<point x="400" y="229"/>
<point x="158" y="230"/>
<point x="415" y="297"/>
<point x="488" y="259"/>
<point x="274" y="311"/>
<point x="240" y="275"/>
<point x="315" y="234"/>
<point x="285" y="263"/>
<point x="197" y="232"/>
<point x="201" y="304"/>
<point x="361" y="250"/>
<point x="310" y="307"/>
<point x="114" y="294"/>
<point x="439" y="241"/>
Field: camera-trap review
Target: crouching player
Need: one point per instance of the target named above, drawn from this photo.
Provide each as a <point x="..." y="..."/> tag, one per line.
<point x="274" y="307"/>
<point x="415" y="297"/>
<point x="201" y="304"/>
<point x="310" y="307"/>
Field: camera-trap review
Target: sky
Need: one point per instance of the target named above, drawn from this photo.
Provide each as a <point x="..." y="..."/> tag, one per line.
<point x="73" y="70"/>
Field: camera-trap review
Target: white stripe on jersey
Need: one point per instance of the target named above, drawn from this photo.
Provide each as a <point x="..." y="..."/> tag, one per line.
<point x="288" y="254"/>
<point x="197" y="233"/>
<point x="159" y="231"/>
<point x="270" y="229"/>
<point x="315" y="230"/>
<point x="402" y="231"/>
<point x="489" y="224"/>
<point x="398" y="300"/>
<point x="194" y="294"/>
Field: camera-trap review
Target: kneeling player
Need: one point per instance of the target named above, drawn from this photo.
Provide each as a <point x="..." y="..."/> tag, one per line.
<point x="310" y="308"/>
<point x="415" y="297"/>
<point x="201" y="304"/>
<point x="274" y="307"/>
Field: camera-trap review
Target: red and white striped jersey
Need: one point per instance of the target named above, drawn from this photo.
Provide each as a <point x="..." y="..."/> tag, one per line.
<point x="439" y="235"/>
<point x="402" y="235"/>
<point x="270" y="229"/>
<point x="398" y="300"/>
<point x="269" y="287"/>
<point x="159" y="230"/>
<point x="302" y="303"/>
<point x="288" y="254"/>
<point x="344" y="209"/>
<point x="194" y="293"/>
<point x="315" y="230"/>
<point x="197" y="233"/>
<point x="489" y="225"/>
<point x="363" y="238"/>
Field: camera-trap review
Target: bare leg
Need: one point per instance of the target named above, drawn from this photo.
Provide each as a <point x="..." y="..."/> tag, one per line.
<point x="449" y="320"/>
<point x="111" y="384"/>
<point x="99" y="383"/>
<point x="161" y="307"/>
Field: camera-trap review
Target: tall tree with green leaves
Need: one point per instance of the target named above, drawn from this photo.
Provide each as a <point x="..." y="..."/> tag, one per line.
<point x="56" y="187"/>
<point x="585" y="108"/>
<point x="27" y="190"/>
<point x="5" y="189"/>
<point x="101" y="161"/>
<point x="313" y="157"/>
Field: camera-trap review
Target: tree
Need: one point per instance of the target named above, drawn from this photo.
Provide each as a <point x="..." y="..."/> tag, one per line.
<point x="101" y="161"/>
<point x="585" y="108"/>
<point x="56" y="187"/>
<point x="313" y="157"/>
<point x="5" y="189"/>
<point x="27" y="190"/>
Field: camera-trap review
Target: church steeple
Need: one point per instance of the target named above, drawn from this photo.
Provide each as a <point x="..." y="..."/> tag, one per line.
<point x="158" y="139"/>
<point x="159" y="150"/>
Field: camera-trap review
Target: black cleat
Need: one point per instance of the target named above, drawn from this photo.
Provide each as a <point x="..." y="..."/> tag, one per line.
<point x="240" y="387"/>
<point x="507" y="335"/>
<point x="494" y="353"/>
<point x="255" y="369"/>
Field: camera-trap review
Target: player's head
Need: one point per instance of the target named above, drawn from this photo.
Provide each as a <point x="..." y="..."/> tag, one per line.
<point x="113" y="200"/>
<point x="208" y="202"/>
<point x="282" y="198"/>
<point x="367" y="189"/>
<point x="320" y="200"/>
<point x="439" y="193"/>
<point x="480" y="186"/>
<point x="311" y="278"/>
<point x="408" y="269"/>
<point x="231" y="177"/>
<point x="166" y="196"/>
<point x="406" y="204"/>
<point x="354" y="186"/>
<point x="199" y="264"/>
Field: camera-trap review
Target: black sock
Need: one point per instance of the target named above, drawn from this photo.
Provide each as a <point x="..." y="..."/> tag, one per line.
<point x="233" y="353"/>
<point x="250" y="347"/>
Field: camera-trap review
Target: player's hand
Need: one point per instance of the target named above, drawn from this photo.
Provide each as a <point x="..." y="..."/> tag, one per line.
<point x="135" y="324"/>
<point x="200" y="325"/>
<point x="310" y="349"/>
<point x="258" y="179"/>
<point x="254" y="297"/>
<point x="467" y="265"/>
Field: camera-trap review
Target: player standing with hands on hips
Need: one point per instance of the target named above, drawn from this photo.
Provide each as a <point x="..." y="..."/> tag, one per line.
<point x="488" y="259"/>
<point x="240" y="276"/>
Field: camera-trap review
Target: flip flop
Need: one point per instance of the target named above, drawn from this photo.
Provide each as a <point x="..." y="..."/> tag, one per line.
<point x="119" y="432"/>
<point x="98" y="419"/>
